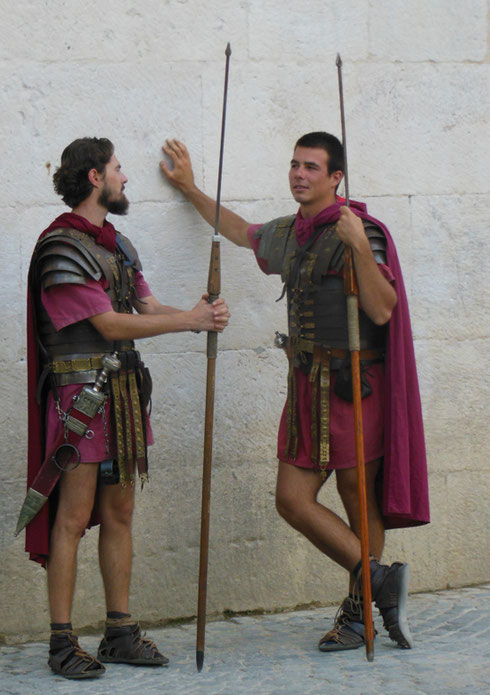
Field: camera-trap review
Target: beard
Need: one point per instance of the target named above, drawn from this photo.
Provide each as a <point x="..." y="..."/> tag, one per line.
<point x="116" y="206"/>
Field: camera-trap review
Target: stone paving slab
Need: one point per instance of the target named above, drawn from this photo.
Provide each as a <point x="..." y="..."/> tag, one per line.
<point x="277" y="655"/>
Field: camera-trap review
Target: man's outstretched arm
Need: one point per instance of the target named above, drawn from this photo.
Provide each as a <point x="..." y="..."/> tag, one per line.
<point x="181" y="176"/>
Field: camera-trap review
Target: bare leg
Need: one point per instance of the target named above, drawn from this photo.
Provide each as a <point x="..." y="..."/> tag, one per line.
<point x="347" y="488"/>
<point x="77" y="492"/>
<point x="296" y="502"/>
<point x="116" y="505"/>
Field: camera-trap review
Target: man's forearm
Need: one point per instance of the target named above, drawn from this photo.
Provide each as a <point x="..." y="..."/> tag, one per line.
<point x="115" y="326"/>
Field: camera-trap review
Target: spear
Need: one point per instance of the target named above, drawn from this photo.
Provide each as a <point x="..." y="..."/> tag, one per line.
<point x="352" y="291"/>
<point x="214" y="288"/>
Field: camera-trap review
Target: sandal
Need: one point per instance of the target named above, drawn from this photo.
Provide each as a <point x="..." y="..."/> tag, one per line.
<point x="348" y="629"/>
<point x="126" y="645"/>
<point x="68" y="659"/>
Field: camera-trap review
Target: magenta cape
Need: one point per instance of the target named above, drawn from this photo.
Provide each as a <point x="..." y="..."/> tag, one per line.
<point x="37" y="532"/>
<point x="405" y="497"/>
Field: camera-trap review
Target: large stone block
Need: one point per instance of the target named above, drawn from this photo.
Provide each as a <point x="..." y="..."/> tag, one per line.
<point x="443" y="31"/>
<point x="450" y="233"/>
<point x="411" y="127"/>
<point x="142" y="107"/>
<point x="284" y="30"/>
<point x="122" y="31"/>
<point x="468" y="524"/>
<point x="453" y="389"/>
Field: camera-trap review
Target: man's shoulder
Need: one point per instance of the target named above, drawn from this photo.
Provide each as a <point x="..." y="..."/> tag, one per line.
<point x="65" y="255"/>
<point x="377" y="240"/>
<point x="280" y="226"/>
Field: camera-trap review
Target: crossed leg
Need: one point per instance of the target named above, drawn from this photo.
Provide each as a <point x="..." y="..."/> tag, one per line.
<point x="296" y="501"/>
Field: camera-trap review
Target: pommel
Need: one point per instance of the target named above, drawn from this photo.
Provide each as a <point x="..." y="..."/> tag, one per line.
<point x="111" y="363"/>
<point x="338" y="62"/>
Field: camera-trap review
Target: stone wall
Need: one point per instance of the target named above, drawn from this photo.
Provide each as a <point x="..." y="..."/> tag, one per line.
<point x="416" y="82"/>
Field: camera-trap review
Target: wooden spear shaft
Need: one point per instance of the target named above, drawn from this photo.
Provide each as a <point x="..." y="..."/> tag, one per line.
<point x="351" y="291"/>
<point x="214" y="289"/>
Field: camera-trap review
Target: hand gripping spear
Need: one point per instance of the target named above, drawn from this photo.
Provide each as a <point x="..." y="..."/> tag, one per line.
<point x="351" y="291"/>
<point x="214" y="288"/>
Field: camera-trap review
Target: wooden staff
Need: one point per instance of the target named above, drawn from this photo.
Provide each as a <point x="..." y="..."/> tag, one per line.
<point x="214" y="289"/>
<point x="352" y="291"/>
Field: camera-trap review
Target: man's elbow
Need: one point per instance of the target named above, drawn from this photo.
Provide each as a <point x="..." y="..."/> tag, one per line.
<point x="383" y="315"/>
<point x="106" y="325"/>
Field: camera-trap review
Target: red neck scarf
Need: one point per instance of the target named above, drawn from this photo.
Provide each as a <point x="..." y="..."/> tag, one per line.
<point x="105" y="235"/>
<point x="304" y="228"/>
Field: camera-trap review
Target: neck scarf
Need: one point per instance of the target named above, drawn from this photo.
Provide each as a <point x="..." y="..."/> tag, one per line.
<point x="105" y="235"/>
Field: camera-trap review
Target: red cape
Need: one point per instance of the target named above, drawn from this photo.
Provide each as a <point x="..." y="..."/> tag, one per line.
<point x="37" y="531"/>
<point x="405" y="497"/>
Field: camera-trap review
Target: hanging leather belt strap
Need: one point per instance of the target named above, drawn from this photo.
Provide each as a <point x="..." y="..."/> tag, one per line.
<point x="320" y="435"/>
<point x="324" y="359"/>
<point x="130" y="426"/>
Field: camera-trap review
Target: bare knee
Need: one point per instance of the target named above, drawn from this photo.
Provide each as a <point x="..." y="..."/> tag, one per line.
<point x="284" y="504"/>
<point x="72" y="523"/>
<point x="292" y="508"/>
<point x="118" y="509"/>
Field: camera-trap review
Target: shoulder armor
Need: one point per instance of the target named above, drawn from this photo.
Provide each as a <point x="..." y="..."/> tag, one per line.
<point x="377" y="241"/>
<point x="128" y="251"/>
<point x="274" y="238"/>
<point x="63" y="259"/>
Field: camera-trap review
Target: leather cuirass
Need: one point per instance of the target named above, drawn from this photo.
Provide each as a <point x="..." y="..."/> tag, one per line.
<point x="312" y="275"/>
<point x="71" y="256"/>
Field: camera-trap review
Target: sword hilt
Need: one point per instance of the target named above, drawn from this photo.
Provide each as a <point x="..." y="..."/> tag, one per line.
<point x="110" y="363"/>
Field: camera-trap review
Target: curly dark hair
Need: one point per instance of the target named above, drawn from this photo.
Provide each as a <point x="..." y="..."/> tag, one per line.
<point x="325" y="141"/>
<point x="71" y="178"/>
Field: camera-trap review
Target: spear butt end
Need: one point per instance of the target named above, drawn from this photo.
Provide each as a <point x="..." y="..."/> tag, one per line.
<point x="199" y="660"/>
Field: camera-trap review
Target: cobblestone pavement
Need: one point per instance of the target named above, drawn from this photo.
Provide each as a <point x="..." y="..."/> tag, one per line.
<point x="277" y="655"/>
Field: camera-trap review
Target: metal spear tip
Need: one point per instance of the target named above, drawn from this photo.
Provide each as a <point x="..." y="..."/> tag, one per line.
<point x="228" y="49"/>
<point x="338" y="62"/>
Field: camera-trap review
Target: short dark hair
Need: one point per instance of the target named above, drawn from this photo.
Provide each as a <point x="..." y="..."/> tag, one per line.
<point x="71" y="178"/>
<point x="332" y="146"/>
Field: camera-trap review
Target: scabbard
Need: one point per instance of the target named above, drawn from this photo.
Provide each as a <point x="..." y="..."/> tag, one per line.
<point x="57" y="460"/>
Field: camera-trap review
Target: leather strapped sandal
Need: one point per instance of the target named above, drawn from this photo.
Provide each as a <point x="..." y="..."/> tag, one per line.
<point x="68" y="659"/>
<point x="348" y="629"/>
<point x="126" y="645"/>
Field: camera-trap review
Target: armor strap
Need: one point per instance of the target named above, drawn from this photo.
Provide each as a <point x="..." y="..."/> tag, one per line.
<point x="139" y="431"/>
<point x="324" y="359"/>
<point x="118" y="424"/>
<point x="320" y="431"/>
<point x="128" y="438"/>
<point x="291" y="450"/>
<point x="130" y="427"/>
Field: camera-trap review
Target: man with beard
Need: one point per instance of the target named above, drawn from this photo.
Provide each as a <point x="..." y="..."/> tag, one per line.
<point x="85" y="280"/>
<point x="316" y="433"/>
